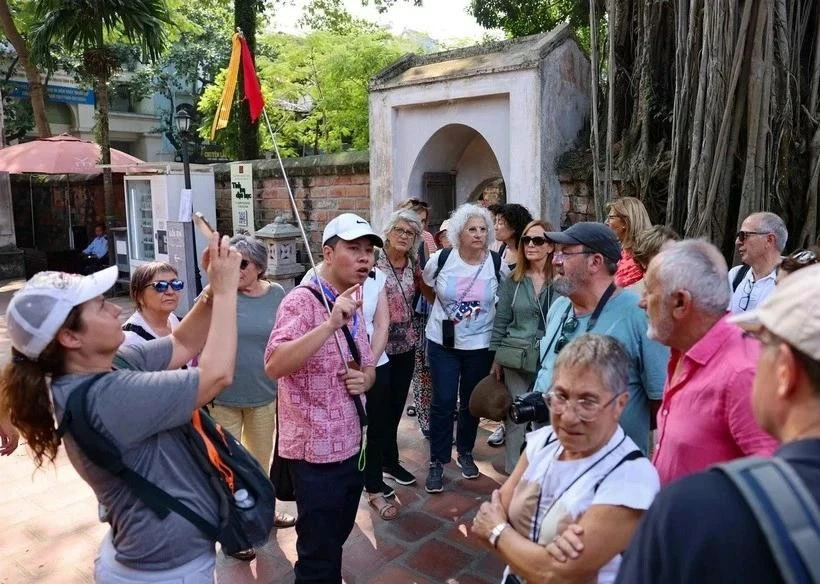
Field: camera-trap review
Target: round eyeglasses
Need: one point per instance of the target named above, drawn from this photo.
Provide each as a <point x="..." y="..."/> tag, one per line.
<point x="586" y="410"/>
<point x="162" y="285"/>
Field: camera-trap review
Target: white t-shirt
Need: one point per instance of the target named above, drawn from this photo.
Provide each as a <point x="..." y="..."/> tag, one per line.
<point x="371" y="289"/>
<point x="132" y="338"/>
<point x="470" y="304"/>
<point x="551" y="489"/>
<point x="756" y="290"/>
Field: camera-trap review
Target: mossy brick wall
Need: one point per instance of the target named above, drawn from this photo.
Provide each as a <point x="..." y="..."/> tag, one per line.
<point x="324" y="186"/>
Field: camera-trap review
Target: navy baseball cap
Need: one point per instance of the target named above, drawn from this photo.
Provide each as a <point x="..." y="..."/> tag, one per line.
<point x="596" y="236"/>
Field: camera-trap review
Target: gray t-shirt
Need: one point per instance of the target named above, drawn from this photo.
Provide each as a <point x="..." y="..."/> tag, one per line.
<point x="624" y="320"/>
<point x="255" y="316"/>
<point x="141" y="412"/>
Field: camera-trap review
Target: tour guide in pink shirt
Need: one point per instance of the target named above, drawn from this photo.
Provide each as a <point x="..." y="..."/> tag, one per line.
<point x="706" y="414"/>
<point x="318" y="425"/>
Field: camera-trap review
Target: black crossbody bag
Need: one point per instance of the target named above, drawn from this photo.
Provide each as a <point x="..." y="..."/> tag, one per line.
<point x="280" y="474"/>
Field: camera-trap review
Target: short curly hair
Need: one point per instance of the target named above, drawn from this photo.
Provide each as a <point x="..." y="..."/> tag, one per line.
<point x="460" y="218"/>
<point x="517" y="218"/>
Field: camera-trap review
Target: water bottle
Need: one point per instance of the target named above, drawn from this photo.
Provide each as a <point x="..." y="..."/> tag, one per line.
<point x="243" y="499"/>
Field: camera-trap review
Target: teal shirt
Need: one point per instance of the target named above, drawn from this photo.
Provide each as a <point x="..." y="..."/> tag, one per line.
<point x="519" y="319"/>
<point x="624" y="320"/>
<point x="255" y="317"/>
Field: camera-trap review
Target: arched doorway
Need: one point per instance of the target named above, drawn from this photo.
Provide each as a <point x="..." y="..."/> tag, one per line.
<point x="450" y="167"/>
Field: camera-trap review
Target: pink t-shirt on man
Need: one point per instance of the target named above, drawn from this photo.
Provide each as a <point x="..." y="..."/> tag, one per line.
<point x="706" y="415"/>
<point x="318" y="422"/>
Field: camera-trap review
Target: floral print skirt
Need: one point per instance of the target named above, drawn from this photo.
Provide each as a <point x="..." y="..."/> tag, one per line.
<point x="422" y="384"/>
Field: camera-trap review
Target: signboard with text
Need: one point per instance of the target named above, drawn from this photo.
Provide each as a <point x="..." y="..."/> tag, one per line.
<point x="242" y="197"/>
<point x="55" y="93"/>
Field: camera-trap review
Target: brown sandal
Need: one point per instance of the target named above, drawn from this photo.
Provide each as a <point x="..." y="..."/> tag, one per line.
<point x="383" y="507"/>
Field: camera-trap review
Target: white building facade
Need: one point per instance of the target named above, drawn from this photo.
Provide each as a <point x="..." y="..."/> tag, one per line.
<point x="444" y="125"/>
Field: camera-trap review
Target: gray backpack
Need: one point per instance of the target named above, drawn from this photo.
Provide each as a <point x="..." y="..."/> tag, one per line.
<point x="786" y="511"/>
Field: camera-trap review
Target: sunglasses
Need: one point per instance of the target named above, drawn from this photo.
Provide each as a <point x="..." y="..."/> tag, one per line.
<point x="570" y="326"/>
<point x="163" y="285"/>
<point x="244" y="264"/>
<point x="537" y="240"/>
<point x="419" y="202"/>
<point x="804" y="257"/>
<point x="742" y="235"/>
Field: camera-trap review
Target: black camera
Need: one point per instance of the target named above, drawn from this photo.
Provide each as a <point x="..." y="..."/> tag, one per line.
<point x="530" y="407"/>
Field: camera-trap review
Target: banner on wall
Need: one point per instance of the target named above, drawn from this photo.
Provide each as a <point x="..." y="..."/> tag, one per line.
<point x="242" y="197"/>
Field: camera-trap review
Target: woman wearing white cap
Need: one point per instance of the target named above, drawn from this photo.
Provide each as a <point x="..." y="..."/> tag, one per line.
<point x="63" y="334"/>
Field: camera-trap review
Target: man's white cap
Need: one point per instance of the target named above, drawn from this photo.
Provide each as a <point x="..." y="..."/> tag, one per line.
<point x="792" y="312"/>
<point x="349" y="226"/>
<point x="38" y="309"/>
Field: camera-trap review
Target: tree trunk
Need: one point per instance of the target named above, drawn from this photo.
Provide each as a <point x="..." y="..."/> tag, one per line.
<point x="35" y="84"/>
<point x="595" y="142"/>
<point x="245" y="19"/>
<point x="101" y="89"/>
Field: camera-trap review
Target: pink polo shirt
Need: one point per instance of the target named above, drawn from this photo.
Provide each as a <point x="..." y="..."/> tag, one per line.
<point x="706" y="414"/>
<point x="317" y="417"/>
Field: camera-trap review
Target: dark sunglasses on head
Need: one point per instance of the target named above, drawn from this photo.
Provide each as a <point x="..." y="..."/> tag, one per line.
<point x="419" y="202"/>
<point x="742" y="235"/>
<point x="162" y="285"/>
<point x="804" y="257"/>
<point x="537" y="241"/>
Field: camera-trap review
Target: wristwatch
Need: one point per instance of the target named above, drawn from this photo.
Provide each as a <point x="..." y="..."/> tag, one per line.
<point x="496" y="532"/>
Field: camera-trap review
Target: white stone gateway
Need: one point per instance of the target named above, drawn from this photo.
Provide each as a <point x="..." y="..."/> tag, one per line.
<point x="445" y="125"/>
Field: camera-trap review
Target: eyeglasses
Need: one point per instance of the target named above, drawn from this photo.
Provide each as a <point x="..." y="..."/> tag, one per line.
<point x="748" y="286"/>
<point x="570" y="326"/>
<point x="742" y="235"/>
<point x="559" y="254"/>
<point x="614" y="216"/>
<point x="162" y="286"/>
<point x="244" y="264"/>
<point x="586" y="410"/>
<point x="537" y="240"/>
<point x="403" y="232"/>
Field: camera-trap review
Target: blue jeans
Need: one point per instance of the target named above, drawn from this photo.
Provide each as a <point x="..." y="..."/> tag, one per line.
<point x="455" y="372"/>
<point x="327" y="498"/>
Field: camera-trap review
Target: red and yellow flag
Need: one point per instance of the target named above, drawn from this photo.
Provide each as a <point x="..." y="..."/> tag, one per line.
<point x="253" y="91"/>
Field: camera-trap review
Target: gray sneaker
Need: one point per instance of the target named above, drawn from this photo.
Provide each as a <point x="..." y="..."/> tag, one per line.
<point x="496" y="439"/>
<point x="469" y="470"/>
<point x="435" y="478"/>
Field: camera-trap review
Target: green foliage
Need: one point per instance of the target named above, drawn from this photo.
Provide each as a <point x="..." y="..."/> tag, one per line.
<point x="91" y="25"/>
<point x="525" y="17"/>
<point x="315" y="89"/>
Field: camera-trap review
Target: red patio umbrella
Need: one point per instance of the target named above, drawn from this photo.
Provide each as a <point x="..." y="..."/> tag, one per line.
<point x="63" y="154"/>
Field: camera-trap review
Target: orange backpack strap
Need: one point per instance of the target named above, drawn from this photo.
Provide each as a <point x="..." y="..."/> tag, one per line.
<point x="213" y="454"/>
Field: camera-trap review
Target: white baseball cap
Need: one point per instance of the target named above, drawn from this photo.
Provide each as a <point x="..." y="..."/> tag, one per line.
<point x="349" y="226"/>
<point x="791" y="312"/>
<point x="38" y="309"/>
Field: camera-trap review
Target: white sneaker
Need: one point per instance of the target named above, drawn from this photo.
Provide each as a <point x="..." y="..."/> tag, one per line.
<point x="496" y="439"/>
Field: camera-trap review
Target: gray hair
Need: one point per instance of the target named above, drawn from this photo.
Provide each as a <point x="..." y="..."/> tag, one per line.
<point x="697" y="266"/>
<point x="459" y="219"/>
<point x="600" y="353"/>
<point x="408" y="216"/>
<point x="253" y="250"/>
<point x="771" y="223"/>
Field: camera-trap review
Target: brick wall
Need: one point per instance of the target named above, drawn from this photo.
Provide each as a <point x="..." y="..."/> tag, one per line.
<point x="327" y="185"/>
<point x="324" y="186"/>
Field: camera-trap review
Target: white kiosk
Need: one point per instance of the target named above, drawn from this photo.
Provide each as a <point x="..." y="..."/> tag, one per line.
<point x="153" y="192"/>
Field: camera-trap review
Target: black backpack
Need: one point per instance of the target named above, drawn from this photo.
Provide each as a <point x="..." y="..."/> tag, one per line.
<point x="228" y="465"/>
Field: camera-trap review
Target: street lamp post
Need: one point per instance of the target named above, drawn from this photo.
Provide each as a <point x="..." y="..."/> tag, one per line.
<point x="183" y="122"/>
